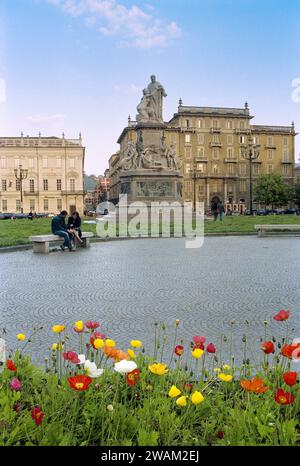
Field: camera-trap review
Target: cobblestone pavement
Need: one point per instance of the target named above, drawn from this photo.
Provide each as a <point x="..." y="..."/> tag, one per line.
<point x="129" y="285"/>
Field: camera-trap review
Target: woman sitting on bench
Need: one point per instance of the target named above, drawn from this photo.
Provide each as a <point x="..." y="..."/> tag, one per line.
<point x="74" y="224"/>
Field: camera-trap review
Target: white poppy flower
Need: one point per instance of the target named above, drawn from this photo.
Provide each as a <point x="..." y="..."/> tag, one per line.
<point x="91" y="369"/>
<point x="125" y="366"/>
<point x="81" y="358"/>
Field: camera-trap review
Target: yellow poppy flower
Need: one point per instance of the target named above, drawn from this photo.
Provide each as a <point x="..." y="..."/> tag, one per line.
<point x="197" y="398"/>
<point x="158" y="368"/>
<point x="174" y="391"/>
<point x="79" y="326"/>
<point x="136" y="343"/>
<point x="217" y="369"/>
<point x="21" y="336"/>
<point x="131" y="353"/>
<point x="110" y="343"/>
<point x="226" y="367"/>
<point x="58" y="328"/>
<point x="98" y="343"/>
<point x="225" y="377"/>
<point x="197" y="353"/>
<point x="181" y="401"/>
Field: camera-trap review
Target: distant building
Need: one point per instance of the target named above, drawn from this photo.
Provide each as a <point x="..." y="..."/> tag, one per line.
<point x="297" y="172"/>
<point x="54" y="174"/>
<point x="208" y="143"/>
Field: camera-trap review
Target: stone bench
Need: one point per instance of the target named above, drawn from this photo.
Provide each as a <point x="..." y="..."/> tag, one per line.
<point x="41" y="243"/>
<point x="262" y="229"/>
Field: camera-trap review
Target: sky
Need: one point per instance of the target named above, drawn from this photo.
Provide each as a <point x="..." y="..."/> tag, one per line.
<point x="80" y="65"/>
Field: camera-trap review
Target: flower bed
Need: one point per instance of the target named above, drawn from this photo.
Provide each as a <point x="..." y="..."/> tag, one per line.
<point x="98" y="394"/>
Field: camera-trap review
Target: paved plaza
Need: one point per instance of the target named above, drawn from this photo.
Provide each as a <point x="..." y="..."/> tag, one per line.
<point x="128" y="285"/>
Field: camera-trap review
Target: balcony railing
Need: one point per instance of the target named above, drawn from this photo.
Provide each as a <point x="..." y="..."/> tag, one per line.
<point x="73" y="192"/>
<point x="200" y="158"/>
<point x="215" y="130"/>
<point x="216" y="144"/>
<point x="31" y="193"/>
<point x="231" y="159"/>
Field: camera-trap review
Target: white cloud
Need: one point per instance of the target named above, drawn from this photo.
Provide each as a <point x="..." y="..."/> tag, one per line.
<point x="41" y="119"/>
<point x="2" y="91"/>
<point x="133" y="26"/>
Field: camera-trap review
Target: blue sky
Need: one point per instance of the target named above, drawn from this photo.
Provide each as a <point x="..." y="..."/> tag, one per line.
<point x="79" y="65"/>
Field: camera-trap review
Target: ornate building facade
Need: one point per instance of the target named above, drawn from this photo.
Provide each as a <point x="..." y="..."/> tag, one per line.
<point x="53" y="169"/>
<point x="208" y="143"/>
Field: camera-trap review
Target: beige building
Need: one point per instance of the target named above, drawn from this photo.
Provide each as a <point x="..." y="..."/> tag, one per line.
<point x="208" y="143"/>
<point x="54" y="174"/>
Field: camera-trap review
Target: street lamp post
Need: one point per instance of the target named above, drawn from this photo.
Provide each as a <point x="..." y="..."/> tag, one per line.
<point x="250" y="152"/>
<point x="193" y="174"/>
<point x="21" y="175"/>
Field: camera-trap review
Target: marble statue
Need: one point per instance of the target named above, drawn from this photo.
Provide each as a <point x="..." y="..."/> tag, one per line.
<point x="151" y="106"/>
<point x="130" y="162"/>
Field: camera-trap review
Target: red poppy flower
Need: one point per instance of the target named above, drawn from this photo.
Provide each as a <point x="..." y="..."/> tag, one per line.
<point x="282" y="315"/>
<point x="283" y="398"/>
<point x="211" y="348"/>
<point x="198" y="340"/>
<point x="37" y="415"/>
<point x="96" y="335"/>
<point x="10" y="365"/>
<point x="179" y="350"/>
<point x="268" y="347"/>
<point x="133" y="377"/>
<point x="220" y="434"/>
<point x="92" y="325"/>
<point x="188" y="387"/>
<point x="291" y="351"/>
<point x="80" y="382"/>
<point x="72" y="357"/>
<point x="290" y="378"/>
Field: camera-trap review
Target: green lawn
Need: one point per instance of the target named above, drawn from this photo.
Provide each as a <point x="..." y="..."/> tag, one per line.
<point x="13" y="232"/>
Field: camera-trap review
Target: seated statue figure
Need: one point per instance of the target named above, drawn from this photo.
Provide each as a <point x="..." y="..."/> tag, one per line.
<point x="145" y="111"/>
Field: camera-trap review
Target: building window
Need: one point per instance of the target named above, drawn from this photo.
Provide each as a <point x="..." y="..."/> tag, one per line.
<point x="187" y="138"/>
<point x="285" y="156"/>
<point x="188" y="186"/>
<point x="229" y="153"/>
<point x="18" y="205"/>
<point x="270" y="169"/>
<point x="3" y="162"/>
<point x="242" y="124"/>
<point x="59" y="204"/>
<point x="231" y="169"/>
<point x="72" y="163"/>
<point x="46" y="205"/>
<point x="200" y="152"/>
<point x="230" y="139"/>
<point x="215" y="138"/>
<point x="187" y="123"/>
<point x="4" y="205"/>
<point x="256" y="169"/>
<point x="18" y="185"/>
<point x="187" y="152"/>
<point x="215" y="124"/>
<point x="270" y="140"/>
<point x="255" y="140"/>
<point x="201" y="189"/>
<point x="270" y="154"/>
<point x="215" y="169"/>
<point x="45" y="162"/>
<point x="72" y="185"/>
<point x="215" y="154"/>
<point x="4" y="185"/>
<point x="242" y="139"/>
<point x="229" y="124"/>
<point x="285" y="170"/>
<point x="17" y="163"/>
<point x="200" y="167"/>
<point x="32" y="204"/>
<point x="243" y="186"/>
<point x="58" y="185"/>
<point x="31" y="163"/>
<point x="285" y="141"/>
<point x="58" y="162"/>
<point x="31" y="186"/>
<point x="201" y="139"/>
<point x="45" y="185"/>
<point x="187" y="168"/>
<point x="243" y="169"/>
<point x="201" y="124"/>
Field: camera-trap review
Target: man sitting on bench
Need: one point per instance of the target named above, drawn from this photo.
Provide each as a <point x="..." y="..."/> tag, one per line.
<point x="59" y="228"/>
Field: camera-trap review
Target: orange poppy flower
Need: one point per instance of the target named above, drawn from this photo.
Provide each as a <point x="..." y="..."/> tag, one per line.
<point x="133" y="377"/>
<point x="291" y="351"/>
<point x="256" y="385"/>
<point x="115" y="354"/>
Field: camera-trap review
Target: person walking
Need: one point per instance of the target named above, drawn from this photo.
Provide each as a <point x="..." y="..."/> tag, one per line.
<point x="214" y="209"/>
<point x="59" y="228"/>
<point x="220" y="210"/>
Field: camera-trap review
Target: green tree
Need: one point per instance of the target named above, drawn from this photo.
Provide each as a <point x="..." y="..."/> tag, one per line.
<point x="272" y="190"/>
<point x="297" y="193"/>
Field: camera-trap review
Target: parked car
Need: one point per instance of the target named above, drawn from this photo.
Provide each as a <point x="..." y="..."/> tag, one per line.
<point x="290" y="211"/>
<point x="247" y="212"/>
<point x="262" y="212"/>
<point x="102" y="208"/>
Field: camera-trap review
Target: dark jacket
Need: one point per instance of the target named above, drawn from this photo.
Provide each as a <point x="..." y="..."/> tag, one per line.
<point x="58" y="224"/>
<point x="75" y="222"/>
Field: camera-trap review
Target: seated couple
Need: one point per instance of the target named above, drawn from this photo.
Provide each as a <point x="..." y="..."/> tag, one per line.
<point x="70" y="232"/>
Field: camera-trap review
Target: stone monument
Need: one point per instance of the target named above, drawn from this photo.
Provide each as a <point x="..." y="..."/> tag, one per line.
<point x="149" y="168"/>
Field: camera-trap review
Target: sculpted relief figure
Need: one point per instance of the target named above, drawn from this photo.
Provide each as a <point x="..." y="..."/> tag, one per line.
<point x="147" y="161"/>
<point x="130" y="162"/>
<point x="151" y="106"/>
<point x="171" y="157"/>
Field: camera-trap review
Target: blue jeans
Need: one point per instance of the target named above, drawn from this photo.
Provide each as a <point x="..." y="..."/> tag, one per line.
<point x="65" y="235"/>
